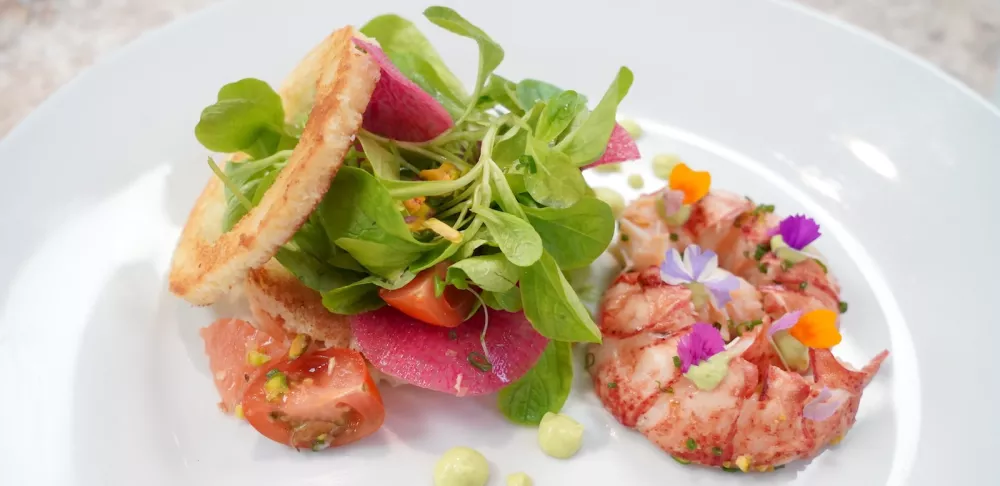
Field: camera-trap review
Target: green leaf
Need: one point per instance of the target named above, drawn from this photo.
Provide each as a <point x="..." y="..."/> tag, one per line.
<point x="247" y="117"/>
<point x="577" y="235"/>
<point x="313" y="273"/>
<point x="559" y="112"/>
<point x="384" y="163"/>
<point x="515" y="237"/>
<point x="252" y="178"/>
<point x="355" y="298"/>
<point x="531" y="91"/>
<point x="588" y="141"/>
<point x="360" y="217"/>
<point x="311" y="238"/>
<point x="509" y="147"/>
<point x="490" y="53"/>
<point x="552" y="306"/>
<point x="555" y="181"/>
<point x="385" y="259"/>
<point x="489" y="272"/>
<point x="509" y="301"/>
<point x="360" y="207"/>
<point x="544" y="388"/>
<point x="500" y="91"/>
<point x="417" y="59"/>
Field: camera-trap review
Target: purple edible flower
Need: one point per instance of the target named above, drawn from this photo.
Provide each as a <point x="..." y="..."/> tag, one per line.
<point x="798" y="231"/>
<point x="703" y="342"/>
<point x="785" y="322"/>
<point x="699" y="267"/>
<point x="824" y="405"/>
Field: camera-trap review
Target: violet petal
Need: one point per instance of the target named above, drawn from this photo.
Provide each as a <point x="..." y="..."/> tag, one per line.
<point x="798" y="231"/>
<point x="703" y="342"/>
<point x="721" y="289"/>
<point x="674" y="270"/>
<point x="785" y="322"/>
<point x="824" y="405"/>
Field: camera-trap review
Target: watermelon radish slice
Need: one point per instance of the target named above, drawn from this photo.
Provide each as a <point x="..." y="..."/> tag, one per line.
<point x="620" y="148"/>
<point x="398" y="108"/>
<point x="438" y="358"/>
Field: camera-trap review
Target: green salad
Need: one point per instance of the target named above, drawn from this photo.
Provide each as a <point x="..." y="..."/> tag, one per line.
<point x="499" y="197"/>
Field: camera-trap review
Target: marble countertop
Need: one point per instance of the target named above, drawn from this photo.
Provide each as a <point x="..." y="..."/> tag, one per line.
<point x="44" y="43"/>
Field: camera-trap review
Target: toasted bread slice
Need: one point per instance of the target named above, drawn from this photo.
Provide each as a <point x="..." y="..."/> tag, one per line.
<point x="283" y="305"/>
<point x="208" y="263"/>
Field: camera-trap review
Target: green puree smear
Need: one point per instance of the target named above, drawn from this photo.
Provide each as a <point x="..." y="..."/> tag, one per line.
<point x="559" y="435"/>
<point x="461" y="466"/>
<point x="500" y="195"/>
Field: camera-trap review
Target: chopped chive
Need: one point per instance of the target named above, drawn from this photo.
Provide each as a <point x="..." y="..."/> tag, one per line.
<point x="588" y="361"/>
<point x="760" y="252"/>
<point x="612" y="385"/>
<point x="480" y="362"/>
<point x="669" y="390"/>
<point x="779" y="467"/>
<point x="843" y="307"/>
<point x="270" y="374"/>
<point x="674" y="237"/>
<point x="717" y="326"/>
<point x="452" y="335"/>
<point x="821" y="265"/>
<point x="803" y="285"/>
<point x="624" y="237"/>
<point x="716" y="451"/>
<point x="730" y="469"/>
<point x="677" y="361"/>
<point x="682" y="461"/>
<point x="691" y="444"/>
<point x="786" y="265"/>
<point x="762" y="267"/>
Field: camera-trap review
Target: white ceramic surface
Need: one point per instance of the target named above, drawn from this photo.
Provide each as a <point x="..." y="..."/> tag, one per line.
<point x="104" y="380"/>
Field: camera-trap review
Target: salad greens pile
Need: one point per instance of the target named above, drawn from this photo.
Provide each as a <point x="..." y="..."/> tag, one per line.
<point x="500" y="195"/>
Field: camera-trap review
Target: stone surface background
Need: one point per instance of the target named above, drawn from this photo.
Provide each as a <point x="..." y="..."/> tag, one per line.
<point x="44" y="43"/>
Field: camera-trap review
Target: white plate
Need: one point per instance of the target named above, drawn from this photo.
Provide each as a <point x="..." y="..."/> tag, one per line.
<point x="104" y="380"/>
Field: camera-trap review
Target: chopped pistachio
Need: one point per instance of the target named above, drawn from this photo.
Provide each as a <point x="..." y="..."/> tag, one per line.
<point x="256" y="358"/>
<point x="299" y="344"/>
<point x="633" y="128"/>
<point x="682" y="461"/>
<point x="238" y="412"/>
<point x="743" y="462"/>
<point x="275" y="386"/>
<point x="635" y="181"/>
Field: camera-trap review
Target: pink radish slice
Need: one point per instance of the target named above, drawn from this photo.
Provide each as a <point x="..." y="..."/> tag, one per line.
<point x="398" y="108"/>
<point x="620" y="148"/>
<point x="438" y="358"/>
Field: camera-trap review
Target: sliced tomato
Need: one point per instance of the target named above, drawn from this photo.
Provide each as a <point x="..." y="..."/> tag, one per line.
<point x="330" y="401"/>
<point x="228" y="342"/>
<point x="417" y="299"/>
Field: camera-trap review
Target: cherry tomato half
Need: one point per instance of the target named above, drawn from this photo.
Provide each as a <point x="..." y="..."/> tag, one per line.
<point x="323" y="399"/>
<point x="417" y="300"/>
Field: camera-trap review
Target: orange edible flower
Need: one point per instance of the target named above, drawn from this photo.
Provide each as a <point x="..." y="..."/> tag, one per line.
<point x="694" y="184"/>
<point x="817" y="329"/>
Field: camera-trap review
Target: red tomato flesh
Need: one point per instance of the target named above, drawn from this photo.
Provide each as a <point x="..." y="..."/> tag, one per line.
<point x="331" y="400"/>
<point x="417" y="300"/>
